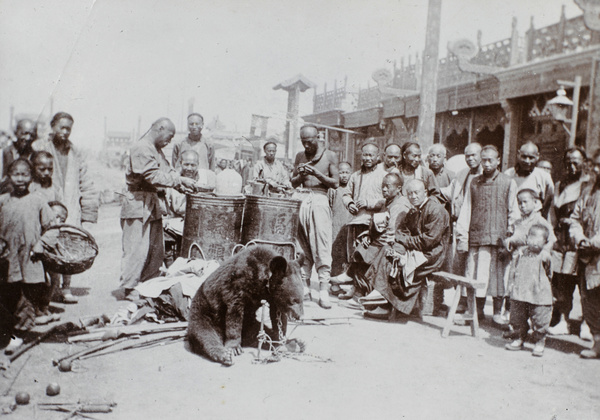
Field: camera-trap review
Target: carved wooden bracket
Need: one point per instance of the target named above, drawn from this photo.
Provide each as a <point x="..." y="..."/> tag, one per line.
<point x="384" y="79"/>
<point x="465" y="50"/>
<point x="591" y="13"/>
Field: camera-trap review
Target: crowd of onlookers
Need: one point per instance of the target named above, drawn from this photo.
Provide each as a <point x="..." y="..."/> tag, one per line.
<point x="44" y="183"/>
<point x="530" y="241"/>
<point x="374" y="234"/>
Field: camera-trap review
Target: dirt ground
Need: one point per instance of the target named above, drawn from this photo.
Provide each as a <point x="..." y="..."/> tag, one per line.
<point x="361" y="369"/>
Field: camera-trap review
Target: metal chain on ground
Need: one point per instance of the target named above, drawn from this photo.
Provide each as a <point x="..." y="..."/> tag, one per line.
<point x="278" y="349"/>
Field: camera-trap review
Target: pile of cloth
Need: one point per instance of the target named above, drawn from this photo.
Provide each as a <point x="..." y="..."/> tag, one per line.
<point x="167" y="298"/>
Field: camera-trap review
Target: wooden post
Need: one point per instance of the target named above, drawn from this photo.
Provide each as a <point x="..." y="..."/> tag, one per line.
<point x="428" y="97"/>
<point x="512" y="117"/>
<point x="291" y="125"/>
<point x="471" y="134"/>
<point x="514" y="44"/>
<point x="529" y="41"/>
<point x="294" y="87"/>
<point x="575" y="113"/>
<point x="593" y="126"/>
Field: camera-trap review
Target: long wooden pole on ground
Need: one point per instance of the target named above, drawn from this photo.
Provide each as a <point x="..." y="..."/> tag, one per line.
<point x="428" y="98"/>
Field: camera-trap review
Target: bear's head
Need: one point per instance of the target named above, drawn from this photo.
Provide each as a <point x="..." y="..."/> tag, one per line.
<point x="286" y="288"/>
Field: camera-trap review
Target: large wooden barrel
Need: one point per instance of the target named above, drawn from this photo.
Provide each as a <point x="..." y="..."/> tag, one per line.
<point x="271" y="219"/>
<point x="214" y="223"/>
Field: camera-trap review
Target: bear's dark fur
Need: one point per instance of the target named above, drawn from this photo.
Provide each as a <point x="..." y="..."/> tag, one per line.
<point x="222" y="315"/>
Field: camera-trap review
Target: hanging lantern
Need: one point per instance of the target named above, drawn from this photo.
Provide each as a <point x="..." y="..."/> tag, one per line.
<point x="559" y="105"/>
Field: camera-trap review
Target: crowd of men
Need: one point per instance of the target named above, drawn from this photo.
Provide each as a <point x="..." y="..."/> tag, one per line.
<point x="44" y="182"/>
<point x="374" y="234"/>
<point x="386" y="227"/>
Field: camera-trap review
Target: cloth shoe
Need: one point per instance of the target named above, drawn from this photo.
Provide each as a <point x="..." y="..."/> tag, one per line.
<point x="14" y="344"/>
<point x="43" y="320"/>
<point x="510" y="333"/>
<point x="335" y="290"/>
<point x="378" y="313"/>
<point x="347" y="295"/>
<point x="594" y="352"/>
<point x="341" y="279"/>
<point x="538" y="350"/>
<point x="585" y="333"/>
<point x="373" y="299"/>
<point x="324" y="299"/>
<point x="562" y="328"/>
<point x="67" y="297"/>
<point x="515" y="345"/>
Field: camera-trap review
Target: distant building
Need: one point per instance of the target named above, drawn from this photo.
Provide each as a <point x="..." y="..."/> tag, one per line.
<point x="505" y="109"/>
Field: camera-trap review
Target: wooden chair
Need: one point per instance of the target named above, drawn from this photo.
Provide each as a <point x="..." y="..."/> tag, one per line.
<point x="461" y="283"/>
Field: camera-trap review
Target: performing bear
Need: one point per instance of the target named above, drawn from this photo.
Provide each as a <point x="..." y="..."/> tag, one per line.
<point x="223" y="312"/>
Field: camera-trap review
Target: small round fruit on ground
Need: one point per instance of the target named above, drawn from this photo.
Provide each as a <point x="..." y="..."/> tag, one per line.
<point x="53" y="389"/>
<point x="22" y="398"/>
<point x="65" y="366"/>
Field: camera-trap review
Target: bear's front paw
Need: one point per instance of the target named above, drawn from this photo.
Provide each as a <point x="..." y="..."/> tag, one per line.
<point x="225" y="357"/>
<point x="234" y="347"/>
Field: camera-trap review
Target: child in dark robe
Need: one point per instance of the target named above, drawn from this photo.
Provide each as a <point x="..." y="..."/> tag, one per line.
<point x="23" y="216"/>
<point x="340" y="218"/>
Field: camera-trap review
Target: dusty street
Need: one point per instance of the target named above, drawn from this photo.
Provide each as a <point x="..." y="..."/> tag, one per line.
<point x="376" y="369"/>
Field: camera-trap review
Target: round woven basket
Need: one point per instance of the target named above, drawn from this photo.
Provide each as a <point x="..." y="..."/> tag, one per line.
<point x="74" y="251"/>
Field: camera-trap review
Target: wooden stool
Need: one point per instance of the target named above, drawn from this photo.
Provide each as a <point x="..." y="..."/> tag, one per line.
<point x="461" y="283"/>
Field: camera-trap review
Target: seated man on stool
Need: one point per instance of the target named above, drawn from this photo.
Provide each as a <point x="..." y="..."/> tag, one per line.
<point x="399" y="273"/>
<point x="380" y="234"/>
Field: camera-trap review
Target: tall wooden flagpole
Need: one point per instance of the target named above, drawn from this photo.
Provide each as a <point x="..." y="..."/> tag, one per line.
<point x="428" y="98"/>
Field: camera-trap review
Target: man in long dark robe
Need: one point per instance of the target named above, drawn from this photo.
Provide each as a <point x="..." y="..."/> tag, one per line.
<point x="420" y="235"/>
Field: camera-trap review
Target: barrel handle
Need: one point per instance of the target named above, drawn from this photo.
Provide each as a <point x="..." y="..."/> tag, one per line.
<point x="237" y="249"/>
<point x="194" y="244"/>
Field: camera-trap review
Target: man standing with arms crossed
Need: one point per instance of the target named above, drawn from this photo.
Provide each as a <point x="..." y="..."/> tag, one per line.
<point x="194" y="141"/>
<point x="148" y="174"/>
<point x="315" y="171"/>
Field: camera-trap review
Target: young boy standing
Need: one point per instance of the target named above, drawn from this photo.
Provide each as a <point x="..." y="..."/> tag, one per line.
<point x="531" y="290"/>
<point x="23" y="216"/>
<point x="530" y="207"/>
<point x="43" y="170"/>
<point x="340" y="218"/>
<point x="490" y="207"/>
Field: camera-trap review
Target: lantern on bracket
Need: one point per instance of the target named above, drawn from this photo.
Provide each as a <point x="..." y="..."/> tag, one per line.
<point x="560" y="104"/>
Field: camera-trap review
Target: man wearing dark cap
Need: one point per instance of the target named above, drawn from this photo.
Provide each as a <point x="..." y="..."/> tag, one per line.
<point x="270" y="169"/>
<point x="194" y="141"/>
<point x="71" y="180"/>
<point x="25" y="133"/>
<point x="148" y="174"/>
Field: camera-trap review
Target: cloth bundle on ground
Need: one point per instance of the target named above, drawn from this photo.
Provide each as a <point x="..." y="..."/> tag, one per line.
<point x="190" y="273"/>
<point x="168" y="298"/>
<point x="66" y="249"/>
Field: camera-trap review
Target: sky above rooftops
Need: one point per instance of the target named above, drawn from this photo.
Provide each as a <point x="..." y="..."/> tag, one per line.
<point x="130" y="59"/>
